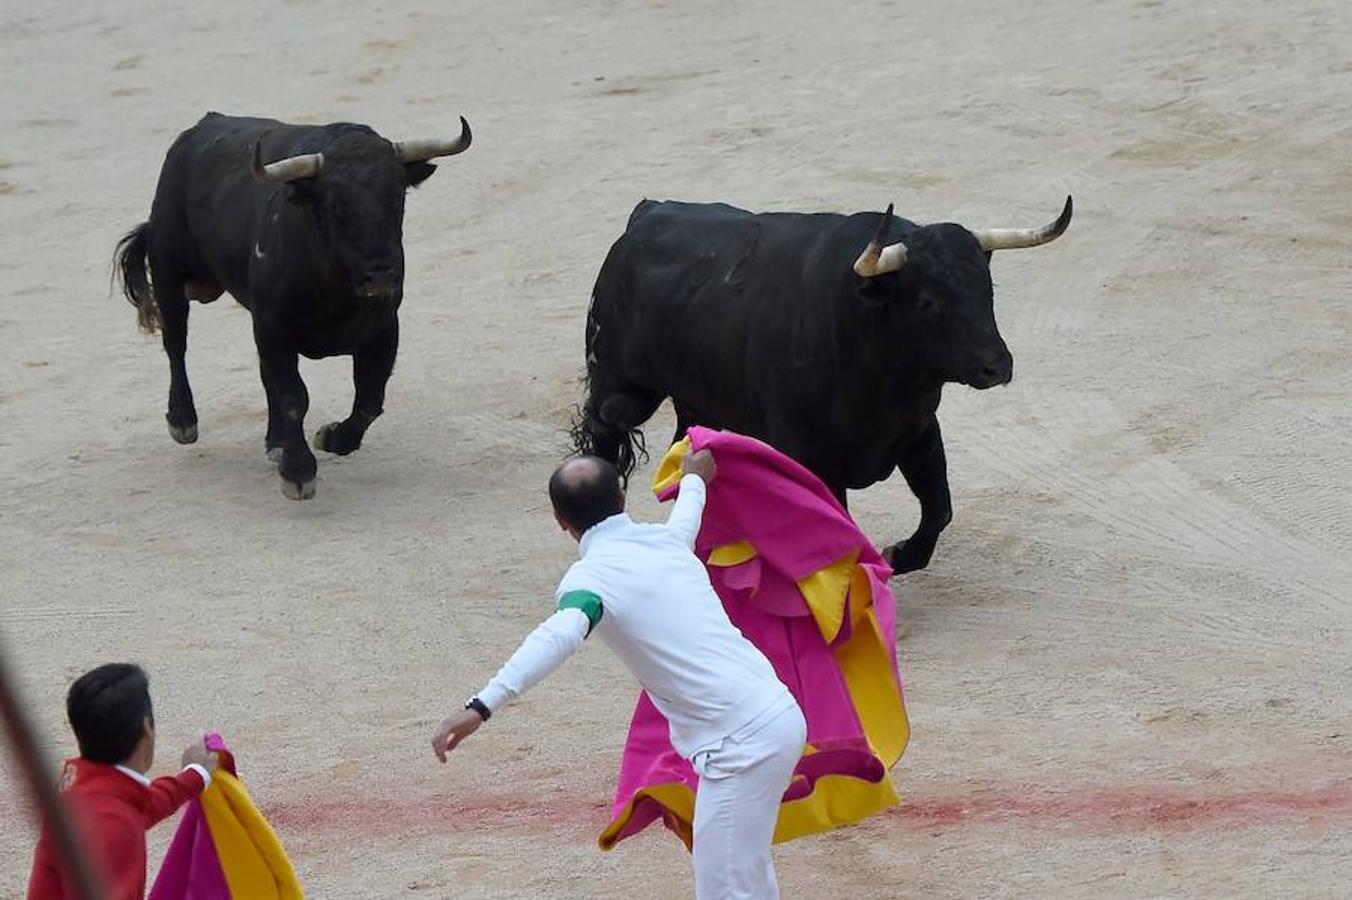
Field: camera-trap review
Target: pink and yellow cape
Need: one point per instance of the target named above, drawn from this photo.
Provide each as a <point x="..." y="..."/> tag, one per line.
<point x="804" y="584"/>
<point x="224" y="849"/>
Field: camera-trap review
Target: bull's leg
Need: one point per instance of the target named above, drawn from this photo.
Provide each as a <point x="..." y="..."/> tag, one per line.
<point x="273" y="441"/>
<point x="286" y="391"/>
<point x="371" y="368"/>
<point x="683" y="423"/>
<point x="926" y="471"/>
<point x="172" y="303"/>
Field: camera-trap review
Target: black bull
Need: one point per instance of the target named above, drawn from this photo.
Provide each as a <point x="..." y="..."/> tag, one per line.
<point x="311" y="244"/>
<point x="777" y="326"/>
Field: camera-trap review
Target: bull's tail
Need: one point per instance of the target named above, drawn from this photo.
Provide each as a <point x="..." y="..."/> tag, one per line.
<point x="609" y="422"/>
<point x="609" y="427"/>
<point x="130" y="263"/>
<point x="624" y="447"/>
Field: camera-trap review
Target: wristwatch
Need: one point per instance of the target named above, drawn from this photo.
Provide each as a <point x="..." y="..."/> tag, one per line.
<point x="479" y="707"/>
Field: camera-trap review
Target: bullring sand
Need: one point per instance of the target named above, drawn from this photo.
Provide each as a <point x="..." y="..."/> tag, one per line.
<point x="1128" y="665"/>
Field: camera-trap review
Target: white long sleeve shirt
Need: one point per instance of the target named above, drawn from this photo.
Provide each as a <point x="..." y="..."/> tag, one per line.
<point x="643" y="590"/>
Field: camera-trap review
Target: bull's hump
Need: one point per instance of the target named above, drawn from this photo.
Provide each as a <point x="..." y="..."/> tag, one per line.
<point x="695" y="209"/>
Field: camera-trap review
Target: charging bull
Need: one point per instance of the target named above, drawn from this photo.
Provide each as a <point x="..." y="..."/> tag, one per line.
<point x="829" y="337"/>
<point x="303" y="225"/>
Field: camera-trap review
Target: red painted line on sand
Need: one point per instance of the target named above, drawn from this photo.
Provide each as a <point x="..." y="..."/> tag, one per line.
<point x="385" y="815"/>
<point x="1132" y="808"/>
<point x="1129" y="808"/>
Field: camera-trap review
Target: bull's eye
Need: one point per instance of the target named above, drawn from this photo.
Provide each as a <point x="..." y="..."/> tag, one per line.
<point x="927" y="302"/>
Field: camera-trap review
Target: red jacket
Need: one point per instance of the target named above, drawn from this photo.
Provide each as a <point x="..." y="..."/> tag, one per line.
<point x="112" y="812"/>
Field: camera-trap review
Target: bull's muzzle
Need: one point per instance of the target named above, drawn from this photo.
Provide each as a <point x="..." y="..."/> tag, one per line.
<point x="992" y="369"/>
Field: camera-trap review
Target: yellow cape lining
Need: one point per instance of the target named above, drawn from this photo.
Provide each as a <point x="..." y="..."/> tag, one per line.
<point x="252" y="858"/>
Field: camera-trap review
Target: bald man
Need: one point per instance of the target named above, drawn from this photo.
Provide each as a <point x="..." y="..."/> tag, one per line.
<point x="645" y="593"/>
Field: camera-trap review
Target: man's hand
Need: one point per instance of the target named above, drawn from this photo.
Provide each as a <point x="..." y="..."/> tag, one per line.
<point x="197" y="753"/>
<point x="701" y="464"/>
<point x="453" y="731"/>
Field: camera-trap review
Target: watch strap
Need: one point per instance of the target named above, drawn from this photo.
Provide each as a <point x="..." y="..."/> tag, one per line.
<point x="479" y="707"/>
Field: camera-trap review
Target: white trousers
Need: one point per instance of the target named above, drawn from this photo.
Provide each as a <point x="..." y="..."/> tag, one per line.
<point x="741" y="783"/>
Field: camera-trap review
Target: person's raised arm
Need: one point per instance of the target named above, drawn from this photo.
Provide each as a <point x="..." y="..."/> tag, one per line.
<point x="544" y="650"/>
<point x="697" y="470"/>
<point x="170" y="792"/>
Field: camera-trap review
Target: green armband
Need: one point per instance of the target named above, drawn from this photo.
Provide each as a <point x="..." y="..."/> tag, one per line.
<point x="587" y="602"/>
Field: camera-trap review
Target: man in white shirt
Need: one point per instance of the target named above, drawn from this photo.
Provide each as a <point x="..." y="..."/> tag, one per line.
<point x="645" y="593"/>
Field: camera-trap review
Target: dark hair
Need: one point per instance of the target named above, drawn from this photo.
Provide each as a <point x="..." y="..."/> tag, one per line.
<point x="585" y="495"/>
<point x="107" y="709"/>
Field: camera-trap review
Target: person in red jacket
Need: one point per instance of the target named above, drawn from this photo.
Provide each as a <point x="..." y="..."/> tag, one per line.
<point x="110" y="799"/>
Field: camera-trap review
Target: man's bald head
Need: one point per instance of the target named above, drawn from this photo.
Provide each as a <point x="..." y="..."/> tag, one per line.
<point x="585" y="491"/>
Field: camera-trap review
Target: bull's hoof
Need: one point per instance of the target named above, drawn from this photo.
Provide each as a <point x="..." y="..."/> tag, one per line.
<point x="293" y="491"/>
<point x="907" y="556"/>
<point x="184" y="434"/>
<point x="275" y="455"/>
<point x="333" y="438"/>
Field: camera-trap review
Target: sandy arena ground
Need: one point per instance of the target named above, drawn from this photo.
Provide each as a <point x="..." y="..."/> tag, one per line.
<point x="1128" y="666"/>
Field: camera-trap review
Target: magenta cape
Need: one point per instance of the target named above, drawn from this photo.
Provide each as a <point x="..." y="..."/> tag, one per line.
<point x="804" y="585"/>
<point x="224" y="849"/>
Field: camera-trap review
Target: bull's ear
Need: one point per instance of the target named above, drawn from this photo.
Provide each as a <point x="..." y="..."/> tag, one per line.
<point x="415" y="173"/>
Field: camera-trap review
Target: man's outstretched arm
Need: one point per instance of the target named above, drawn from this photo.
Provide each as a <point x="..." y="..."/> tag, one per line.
<point x="545" y="649"/>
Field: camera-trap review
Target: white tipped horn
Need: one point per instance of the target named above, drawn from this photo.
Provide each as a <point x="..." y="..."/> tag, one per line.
<point x="878" y="259"/>
<point x="307" y="165"/>
<point x="418" y="151"/>
<point x="993" y="239"/>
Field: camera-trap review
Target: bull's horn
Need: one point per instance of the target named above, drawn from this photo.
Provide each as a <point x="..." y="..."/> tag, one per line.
<point x="877" y="259"/>
<point x="417" y="151"/>
<point x="994" y="239"/>
<point x="307" y="165"/>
